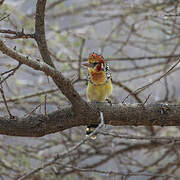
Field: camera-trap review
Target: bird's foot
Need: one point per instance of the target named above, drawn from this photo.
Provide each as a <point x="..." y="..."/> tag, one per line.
<point x="109" y="101"/>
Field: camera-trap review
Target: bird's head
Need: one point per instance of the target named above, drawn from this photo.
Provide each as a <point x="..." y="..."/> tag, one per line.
<point x="95" y="63"/>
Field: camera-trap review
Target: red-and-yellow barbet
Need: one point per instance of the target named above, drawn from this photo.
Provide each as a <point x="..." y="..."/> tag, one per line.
<point x="99" y="82"/>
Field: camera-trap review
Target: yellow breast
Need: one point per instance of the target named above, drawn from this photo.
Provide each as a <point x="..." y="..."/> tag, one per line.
<point x="99" y="93"/>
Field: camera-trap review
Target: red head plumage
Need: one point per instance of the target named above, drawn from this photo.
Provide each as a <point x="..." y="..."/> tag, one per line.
<point x="96" y="59"/>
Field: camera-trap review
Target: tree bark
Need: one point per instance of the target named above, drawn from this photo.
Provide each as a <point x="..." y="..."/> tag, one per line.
<point x="115" y="115"/>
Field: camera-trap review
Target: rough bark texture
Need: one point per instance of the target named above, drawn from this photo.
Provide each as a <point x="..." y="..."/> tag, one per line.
<point x="63" y="83"/>
<point x="66" y="88"/>
<point x="80" y="113"/>
<point x="116" y="115"/>
<point x="40" y="32"/>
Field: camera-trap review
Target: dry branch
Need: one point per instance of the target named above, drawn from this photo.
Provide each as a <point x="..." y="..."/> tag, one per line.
<point x="64" y="84"/>
<point x="116" y="115"/>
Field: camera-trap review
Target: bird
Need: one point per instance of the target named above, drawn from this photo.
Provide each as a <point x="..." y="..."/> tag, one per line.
<point x="99" y="83"/>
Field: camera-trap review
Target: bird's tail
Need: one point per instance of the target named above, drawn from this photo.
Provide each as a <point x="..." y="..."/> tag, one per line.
<point x="90" y="129"/>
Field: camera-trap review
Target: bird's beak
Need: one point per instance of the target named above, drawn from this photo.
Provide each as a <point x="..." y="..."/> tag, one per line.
<point x="86" y="64"/>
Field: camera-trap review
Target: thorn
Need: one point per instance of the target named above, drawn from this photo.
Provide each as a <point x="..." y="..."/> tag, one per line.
<point x="22" y="31"/>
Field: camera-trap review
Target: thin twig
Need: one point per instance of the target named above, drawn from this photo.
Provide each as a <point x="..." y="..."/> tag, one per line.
<point x="15" y="34"/>
<point x="128" y="90"/>
<point x="64" y="154"/>
<point x="11" y="74"/>
<point x="146" y="100"/>
<point x="137" y="91"/>
<point x="150" y="138"/>
<point x="5" y="102"/>
<point x="120" y="173"/>
<point x="140" y="58"/>
<point x="80" y="58"/>
<point x="34" y="109"/>
<point x="158" y="79"/>
<point x="31" y="95"/>
<point x="6" y="16"/>
<point x="45" y="101"/>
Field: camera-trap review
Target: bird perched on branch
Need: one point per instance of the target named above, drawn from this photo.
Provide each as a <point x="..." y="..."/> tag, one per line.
<point x="99" y="83"/>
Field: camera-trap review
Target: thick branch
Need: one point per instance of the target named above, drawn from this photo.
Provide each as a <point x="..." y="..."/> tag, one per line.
<point x="63" y="83"/>
<point x="40" y="38"/>
<point x="116" y="115"/>
<point x="40" y="32"/>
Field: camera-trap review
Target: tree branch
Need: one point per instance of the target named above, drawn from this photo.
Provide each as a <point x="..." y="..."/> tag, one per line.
<point x="15" y="34"/>
<point x="40" y="38"/>
<point x="116" y="115"/>
<point x="64" y="84"/>
<point x="40" y="32"/>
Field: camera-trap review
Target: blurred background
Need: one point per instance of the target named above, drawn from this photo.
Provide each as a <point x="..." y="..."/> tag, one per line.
<point x="139" y="40"/>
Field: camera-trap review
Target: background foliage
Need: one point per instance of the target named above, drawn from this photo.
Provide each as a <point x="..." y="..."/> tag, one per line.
<point x="139" y="39"/>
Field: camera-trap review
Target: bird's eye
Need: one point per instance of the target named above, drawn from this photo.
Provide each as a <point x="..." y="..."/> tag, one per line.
<point x="94" y="64"/>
